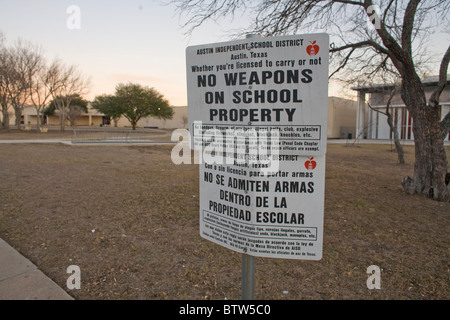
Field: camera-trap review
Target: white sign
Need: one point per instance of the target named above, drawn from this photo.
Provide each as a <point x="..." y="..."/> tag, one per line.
<point x="258" y="113"/>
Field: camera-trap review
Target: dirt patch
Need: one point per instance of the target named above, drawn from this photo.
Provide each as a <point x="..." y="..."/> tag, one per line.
<point x="128" y="217"/>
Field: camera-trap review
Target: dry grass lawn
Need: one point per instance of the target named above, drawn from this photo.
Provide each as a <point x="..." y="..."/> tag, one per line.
<point x="128" y="217"/>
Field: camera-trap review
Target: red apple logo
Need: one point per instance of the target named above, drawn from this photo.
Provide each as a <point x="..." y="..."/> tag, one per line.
<point x="312" y="49"/>
<point x="310" y="164"/>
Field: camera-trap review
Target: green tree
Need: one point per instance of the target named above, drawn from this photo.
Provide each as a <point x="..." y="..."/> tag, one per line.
<point x="107" y="104"/>
<point x="138" y="102"/>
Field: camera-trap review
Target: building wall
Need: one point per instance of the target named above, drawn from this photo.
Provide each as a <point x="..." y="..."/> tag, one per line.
<point x="341" y="118"/>
<point x="377" y="126"/>
<point x="381" y="98"/>
<point x="26" y="114"/>
<point x="179" y="121"/>
<point x="92" y="118"/>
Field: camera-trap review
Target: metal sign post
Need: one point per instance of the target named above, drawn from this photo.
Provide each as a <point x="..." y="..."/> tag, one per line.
<point x="258" y="111"/>
<point x="248" y="277"/>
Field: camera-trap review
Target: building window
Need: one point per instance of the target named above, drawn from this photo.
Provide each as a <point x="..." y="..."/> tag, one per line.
<point x="402" y="120"/>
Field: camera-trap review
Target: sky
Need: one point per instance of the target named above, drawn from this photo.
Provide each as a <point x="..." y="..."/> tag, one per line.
<point x="117" y="41"/>
<point x="139" y="41"/>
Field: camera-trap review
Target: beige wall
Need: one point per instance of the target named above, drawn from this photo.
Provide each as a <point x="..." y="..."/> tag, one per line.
<point x="93" y="118"/>
<point x="176" y="122"/>
<point x="341" y="118"/>
<point x="29" y="115"/>
<point x="341" y="115"/>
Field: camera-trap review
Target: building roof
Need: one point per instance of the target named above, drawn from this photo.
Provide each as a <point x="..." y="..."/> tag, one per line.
<point x="426" y="81"/>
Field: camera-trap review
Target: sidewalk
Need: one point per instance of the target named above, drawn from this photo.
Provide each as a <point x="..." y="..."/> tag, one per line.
<point x="22" y="280"/>
<point x="108" y="143"/>
<point x="36" y="141"/>
<point x="92" y="143"/>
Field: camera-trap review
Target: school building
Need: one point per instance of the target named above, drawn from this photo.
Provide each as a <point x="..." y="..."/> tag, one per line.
<point x="341" y="119"/>
<point x="371" y="124"/>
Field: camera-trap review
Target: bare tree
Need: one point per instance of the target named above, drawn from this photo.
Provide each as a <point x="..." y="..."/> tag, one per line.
<point x="24" y="62"/>
<point x="73" y="114"/>
<point x="18" y="64"/>
<point x="69" y="83"/>
<point x="392" y="125"/>
<point x="24" y="76"/>
<point x="4" y="83"/>
<point x="185" y="121"/>
<point x="391" y="43"/>
<point x="42" y="84"/>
